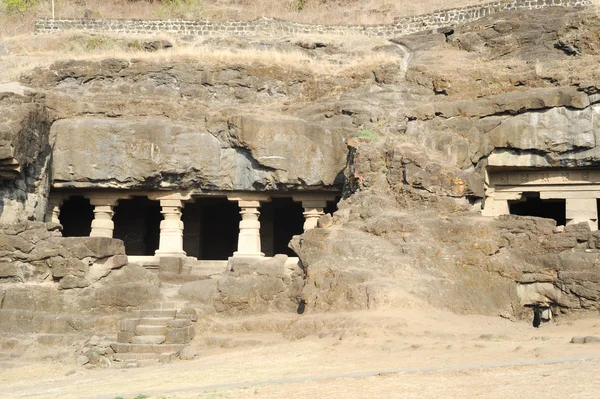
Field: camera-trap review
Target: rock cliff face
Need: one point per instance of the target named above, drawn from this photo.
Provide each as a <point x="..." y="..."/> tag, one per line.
<point x="24" y="157"/>
<point x="53" y="284"/>
<point x="149" y="153"/>
<point x="147" y="125"/>
<point x="408" y="142"/>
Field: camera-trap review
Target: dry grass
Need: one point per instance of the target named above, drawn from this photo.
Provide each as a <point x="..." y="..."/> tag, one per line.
<point x="313" y="11"/>
<point x="28" y="52"/>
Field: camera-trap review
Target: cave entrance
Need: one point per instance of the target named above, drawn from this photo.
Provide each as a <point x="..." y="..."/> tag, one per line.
<point x="532" y="205"/>
<point x="211" y="228"/>
<point x="76" y="215"/>
<point x="280" y="220"/>
<point x="137" y="223"/>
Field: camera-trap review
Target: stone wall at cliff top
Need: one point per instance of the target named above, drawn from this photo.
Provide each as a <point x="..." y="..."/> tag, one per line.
<point x="273" y="27"/>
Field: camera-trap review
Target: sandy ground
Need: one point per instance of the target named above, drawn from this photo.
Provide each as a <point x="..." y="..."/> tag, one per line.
<point x="398" y="356"/>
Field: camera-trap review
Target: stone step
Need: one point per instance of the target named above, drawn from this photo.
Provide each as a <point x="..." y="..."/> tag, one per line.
<point x="156" y="321"/>
<point x="148" y="339"/>
<point x="175" y="278"/>
<point x="208" y="268"/>
<point x="143" y="329"/>
<point x="164" y="305"/>
<point x="147" y="348"/>
<point x="130" y="364"/>
<point x="144" y="359"/>
<point x="131" y="357"/>
<point x="144" y="313"/>
<point x="124" y="365"/>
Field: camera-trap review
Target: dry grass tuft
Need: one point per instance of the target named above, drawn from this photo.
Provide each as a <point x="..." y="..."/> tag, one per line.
<point x="40" y="51"/>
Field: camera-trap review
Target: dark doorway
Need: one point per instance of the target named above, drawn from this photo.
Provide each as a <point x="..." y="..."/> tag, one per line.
<point x="137" y="223"/>
<point x="211" y="228"/>
<point x="532" y="205"/>
<point x="280" y="220"/>
<point x="76" y="215"/>
<point x="332" y="206"/>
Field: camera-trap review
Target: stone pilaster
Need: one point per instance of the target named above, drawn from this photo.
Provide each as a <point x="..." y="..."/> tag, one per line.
<point x="495" y="207"/>
<point x="103" y="225"/>
<point x="171" y="229"/>
<point x="313" y="210"/>
<point x="53" y="209"/>
<point x="249" y="236"/>
<point x="582" y="210"/>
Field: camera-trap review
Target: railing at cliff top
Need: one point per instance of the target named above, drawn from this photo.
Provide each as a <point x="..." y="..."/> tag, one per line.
<point x="274" y="27"/>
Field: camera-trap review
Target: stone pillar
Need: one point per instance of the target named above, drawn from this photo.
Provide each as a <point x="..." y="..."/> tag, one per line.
<point x="582" y="210"/>
<point x="313" y="210"/>
<point x="171" y="229"/>
<point x="493" y="206"/>
<point x="53" y="210"/>
<point x="249" y="237"/>
<point x="103" y="225"/>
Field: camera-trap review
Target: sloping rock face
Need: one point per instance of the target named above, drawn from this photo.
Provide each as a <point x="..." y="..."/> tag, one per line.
<point x="409" y="234"/>
<point x="407" y="238"/>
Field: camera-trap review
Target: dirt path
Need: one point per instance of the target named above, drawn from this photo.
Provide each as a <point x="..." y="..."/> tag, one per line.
<point x="434" y="355"/>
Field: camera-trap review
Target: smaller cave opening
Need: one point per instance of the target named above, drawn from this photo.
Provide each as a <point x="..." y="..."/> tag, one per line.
<point x="280" y="220"/>
<point x="76" y="215"/>
<point x="137" y="223"/>
<point x="541" y="315"/>
<point x="531" y="204"/>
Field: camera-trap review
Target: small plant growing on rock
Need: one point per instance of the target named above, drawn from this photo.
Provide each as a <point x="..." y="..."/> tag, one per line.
<point x="367" y="133"/>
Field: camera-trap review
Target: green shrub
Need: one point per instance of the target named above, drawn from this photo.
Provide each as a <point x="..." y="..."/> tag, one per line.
<point x="20" y="6"/>
<point x="367" y="133"/>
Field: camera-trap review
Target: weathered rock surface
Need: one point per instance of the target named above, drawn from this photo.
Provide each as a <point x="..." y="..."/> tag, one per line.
<point x="53" y="284"/>
<point x="250" y="286"/>
<point x="24" y="157"/>
<point x="253" y="154"/>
